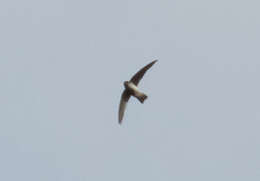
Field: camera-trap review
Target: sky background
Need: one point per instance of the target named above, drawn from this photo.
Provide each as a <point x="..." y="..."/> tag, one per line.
<point x="62" y="67"/>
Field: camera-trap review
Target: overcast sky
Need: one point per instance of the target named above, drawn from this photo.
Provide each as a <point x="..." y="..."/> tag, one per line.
<point x="62" y="67"/>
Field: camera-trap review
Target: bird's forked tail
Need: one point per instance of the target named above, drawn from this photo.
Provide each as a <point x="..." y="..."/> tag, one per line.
<point x="142" y="97"/>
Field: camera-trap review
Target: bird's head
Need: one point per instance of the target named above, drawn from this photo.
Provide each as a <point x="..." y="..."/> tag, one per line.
<point x="126" y="84"/>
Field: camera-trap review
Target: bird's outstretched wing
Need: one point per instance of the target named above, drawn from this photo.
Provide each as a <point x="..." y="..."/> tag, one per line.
<point x="123" y="102"/>
<point x="139" y="75"/>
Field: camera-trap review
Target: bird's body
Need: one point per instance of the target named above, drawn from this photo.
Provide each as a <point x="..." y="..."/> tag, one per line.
<point x="131" y="89"/>
<point x="134" y="91"/>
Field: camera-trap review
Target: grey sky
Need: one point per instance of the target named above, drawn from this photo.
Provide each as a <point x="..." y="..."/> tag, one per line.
<point x="62" y="67"/>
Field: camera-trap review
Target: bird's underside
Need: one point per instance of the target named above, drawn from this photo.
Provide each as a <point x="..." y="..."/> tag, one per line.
<point x="131" y="89"/>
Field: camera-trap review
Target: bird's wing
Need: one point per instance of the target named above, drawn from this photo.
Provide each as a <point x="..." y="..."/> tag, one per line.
<point x="123" y="102"/>
<point x="139" y="75"/>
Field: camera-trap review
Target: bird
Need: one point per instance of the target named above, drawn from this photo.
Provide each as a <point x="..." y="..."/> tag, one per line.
<point x="131" y="89"/>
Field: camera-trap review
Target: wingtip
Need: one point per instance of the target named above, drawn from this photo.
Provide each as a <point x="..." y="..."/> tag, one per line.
<point x="154" y="61"/>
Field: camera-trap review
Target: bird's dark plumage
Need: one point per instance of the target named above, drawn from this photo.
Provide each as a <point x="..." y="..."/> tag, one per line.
<point x="132" y="90"/>
<point x="124" y="99"/>
<point x="139" y="75"/>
